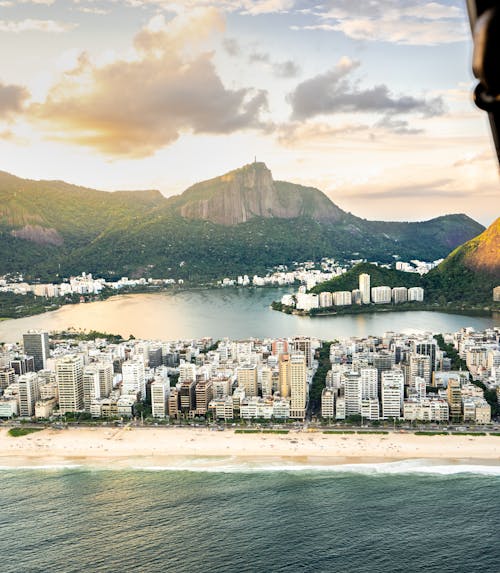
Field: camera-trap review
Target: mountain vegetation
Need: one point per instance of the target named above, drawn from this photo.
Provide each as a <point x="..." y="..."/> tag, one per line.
<point x="470" y="272"/>
<point x="379" y="276"/>
<point x="465" y="278"/>
<point x="242" y="222"/>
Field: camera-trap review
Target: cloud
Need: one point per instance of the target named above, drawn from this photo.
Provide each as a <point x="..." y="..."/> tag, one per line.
<point x="12" y="99"/>
<point x="397" y="21"/>
<point x="232" y="46"/>
<point x="398" y="126"/>
<point x="257" y="7"/>
<point x="331" y="92"/>
<point x="286" y="69"/>
<point x="31" y="25"/>
<point x="131" y="108"/>
<point x="302" y="133"/>
<point x="248" y="7"/>
<point x="434" y="188"/>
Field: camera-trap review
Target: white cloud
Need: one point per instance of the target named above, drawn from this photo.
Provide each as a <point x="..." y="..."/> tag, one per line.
<point x="32" y="25"/>
<point x="132" y="108"/>
<point x="397" y="21"/>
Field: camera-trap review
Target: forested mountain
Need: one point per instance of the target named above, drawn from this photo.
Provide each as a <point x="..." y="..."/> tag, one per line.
<point x="243" y="221"/>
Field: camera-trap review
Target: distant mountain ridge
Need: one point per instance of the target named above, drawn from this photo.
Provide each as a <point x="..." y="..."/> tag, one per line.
<point x="241" y="222"/>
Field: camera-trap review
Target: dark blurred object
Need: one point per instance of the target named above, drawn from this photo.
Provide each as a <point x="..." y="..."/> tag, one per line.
<point x="484" y="16"/>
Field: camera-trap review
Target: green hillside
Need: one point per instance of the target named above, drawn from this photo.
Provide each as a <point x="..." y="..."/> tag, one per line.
<point x="50" y="228"/>
<point x="470" y="272"/>
<point x="379" y="276"/>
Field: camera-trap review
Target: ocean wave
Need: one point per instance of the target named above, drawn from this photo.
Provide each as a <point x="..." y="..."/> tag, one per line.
<point x="420" y="466"/>
<point x="235" y="465"/>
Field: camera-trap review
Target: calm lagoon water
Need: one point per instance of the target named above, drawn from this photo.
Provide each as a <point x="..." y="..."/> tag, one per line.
<point x="235" y="313"/>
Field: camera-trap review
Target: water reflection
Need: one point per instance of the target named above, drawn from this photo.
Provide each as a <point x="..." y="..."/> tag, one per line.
<point x="236" y="313"/>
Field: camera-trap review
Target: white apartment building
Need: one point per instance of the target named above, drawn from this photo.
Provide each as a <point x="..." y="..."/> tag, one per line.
<point x="381" y="295"/>
<point x="340" y="409"/>
<point x="415" y="294"/>
<point x="69" y="376"/>
<point x="29" y="393"/>
<point x="91" y="386"/>
<point x="352" y="393"/>
<point x="369" y="383"/>
<point x="364" y="287"/>
<point x="392" y="393"/>
<point x="248" y="379"/>
<point x="134" y="378"/>
<point x="426" y="410"/>
<point x="399" y="295"/>
<point x="160" y="392"/>
<point x="370" y="408"/>
<point x="343" y="298"/>
<point x="325" y="299"/>
<point x="298" y="386"/>
<point x="327" y="403"/>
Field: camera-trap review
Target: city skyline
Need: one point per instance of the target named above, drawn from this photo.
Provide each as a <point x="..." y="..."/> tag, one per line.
<point x="371" y="104"/>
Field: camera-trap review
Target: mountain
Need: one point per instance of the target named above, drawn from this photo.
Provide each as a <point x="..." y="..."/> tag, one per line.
<point x="471" y="271"/>
<point x="250" y="192"/>
<point x="242" y="222"/>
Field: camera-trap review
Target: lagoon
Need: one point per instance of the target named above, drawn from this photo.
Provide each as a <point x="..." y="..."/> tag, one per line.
<point x="231" y="312"/>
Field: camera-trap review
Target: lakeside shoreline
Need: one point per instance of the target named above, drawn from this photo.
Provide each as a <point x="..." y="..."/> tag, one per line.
<point x="384" y="309"/>
<point x="169" y="447"/>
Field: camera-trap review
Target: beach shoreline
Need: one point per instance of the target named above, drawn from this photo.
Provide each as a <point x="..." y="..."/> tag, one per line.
<point x="186" y="447"/>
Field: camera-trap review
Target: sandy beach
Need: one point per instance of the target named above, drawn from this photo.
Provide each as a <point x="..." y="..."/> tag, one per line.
<point x="131" y="447"/>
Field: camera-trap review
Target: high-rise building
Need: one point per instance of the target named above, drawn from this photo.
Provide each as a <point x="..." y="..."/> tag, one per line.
<point x="327" y="403"/>
<point x="29" y="393"/>
<point x="325" y="299"/>
<point x="342" y="298"/>
<point x="279" y="346"/>
<point x="69" y="376"/>
<point x="298" y="386"/>
<point x="428" y="348"/>
<point x="303" y="344"/>
<point x="174" y="403"/>
<point x="91" y="386"/>
<point x="160" y="393"/>
<point x="415" y="294"/>
<point x="284" y="376"/>
<point x="266" y="381"/>
<point x="155" y="357"/>
<point x="352" y="393"/>
<point x="364" y="287"/>
<point x="381" y="295"/>
<point x="247" y="379"/>
<point x="36" y="344"/>
<point x="23" y="364"/>
<point x="105" y="371"/>
<point x="187" y="396"/>
<point x="369" y="383"/>
<point x="454" y="394"/>
<point x="7" y="377"/>
<point x="203" y="395"/>
<point x="392" y="393"/>
<point x="419" y="365"/>
<point x="134" y="379"/>
<point x="399" y="294"/>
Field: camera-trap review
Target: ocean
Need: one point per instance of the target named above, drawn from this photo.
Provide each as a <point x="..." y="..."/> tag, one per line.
<point x="406" y="516"/>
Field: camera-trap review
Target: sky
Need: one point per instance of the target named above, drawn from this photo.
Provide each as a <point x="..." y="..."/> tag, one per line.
<point x="370" y="101"/>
